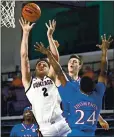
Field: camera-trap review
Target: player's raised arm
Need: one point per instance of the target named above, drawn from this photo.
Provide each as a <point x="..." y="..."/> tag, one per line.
<point x="52" y="43"/>
<point x="25" y="66"/>
<point x="56" y="66"/>
<point x="103" y="66"/>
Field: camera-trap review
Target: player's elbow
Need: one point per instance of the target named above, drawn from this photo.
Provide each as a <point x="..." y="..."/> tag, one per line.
<point x="23" y="55"/>
<point x="56" y="57"/>
<point x="62" y="79"/>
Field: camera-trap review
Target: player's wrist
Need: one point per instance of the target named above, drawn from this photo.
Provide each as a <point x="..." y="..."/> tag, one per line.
<point x="50" y="36"/>
<point x="104" y="50"/>
<point x="26" y="32"/>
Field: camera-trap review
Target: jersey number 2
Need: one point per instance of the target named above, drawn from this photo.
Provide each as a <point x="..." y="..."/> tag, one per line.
<point x="45" y="92"/>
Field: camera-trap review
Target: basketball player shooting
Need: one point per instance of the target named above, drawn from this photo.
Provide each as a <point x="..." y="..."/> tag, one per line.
<point x="85" y="103"/>
<point x="41" y="90"/>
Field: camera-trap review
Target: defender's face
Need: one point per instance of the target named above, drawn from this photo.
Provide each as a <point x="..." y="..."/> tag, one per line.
<point x="42" y="68"/>
<point x="73" y="65"/>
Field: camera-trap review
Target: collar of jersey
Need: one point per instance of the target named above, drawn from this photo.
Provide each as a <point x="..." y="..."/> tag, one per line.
<point x="42" y="78"/>
<point x="26" y="127"/>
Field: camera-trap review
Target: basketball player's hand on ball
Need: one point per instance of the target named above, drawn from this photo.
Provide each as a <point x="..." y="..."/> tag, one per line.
<point x="104" y="124"/>
<point x="26" y="25"/>
<point x="40" y="47"/>
<point x="51" y="27"/>
<point x="105" y="43"/>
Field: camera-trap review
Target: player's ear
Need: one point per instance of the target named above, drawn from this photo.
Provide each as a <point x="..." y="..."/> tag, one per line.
<point x="80" y="66"/>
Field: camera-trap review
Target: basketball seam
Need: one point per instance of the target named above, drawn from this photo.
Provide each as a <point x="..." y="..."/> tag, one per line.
<point x="29" y="15"/>
<point x="33" y="10"/>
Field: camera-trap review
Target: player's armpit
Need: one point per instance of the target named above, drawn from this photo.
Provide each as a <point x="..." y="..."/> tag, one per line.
<point x="52" y="74"/>
<point x="61" y="77"/>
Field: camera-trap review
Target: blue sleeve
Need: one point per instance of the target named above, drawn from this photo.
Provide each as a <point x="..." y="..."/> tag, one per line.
<point x="66" y="109"/>
<point x="100" y="88"/>
<point x="68" y="84"/>
<point x="13" y="132"/>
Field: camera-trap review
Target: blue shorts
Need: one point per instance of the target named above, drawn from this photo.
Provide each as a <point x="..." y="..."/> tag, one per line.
<point x="78" y="133"/>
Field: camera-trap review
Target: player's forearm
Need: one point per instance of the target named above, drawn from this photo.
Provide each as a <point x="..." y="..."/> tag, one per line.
<point x="57" y="68"/>
<point x="53" y="48"/>
<point x="24" y="44"/>
<point x="100" y="119"/>
<point x="104" y="62"/>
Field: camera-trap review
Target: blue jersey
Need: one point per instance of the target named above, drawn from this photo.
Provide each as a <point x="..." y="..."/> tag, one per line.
<point x="22" y="130"/>
<point x="82" y="110"/>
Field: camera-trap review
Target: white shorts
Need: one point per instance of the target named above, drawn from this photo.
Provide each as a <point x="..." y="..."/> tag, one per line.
<point x="59" y="127"/>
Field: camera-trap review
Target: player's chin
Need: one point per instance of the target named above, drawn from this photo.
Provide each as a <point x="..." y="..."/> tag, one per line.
<point x="28" y="116"/>
<point x="43" y="72"/>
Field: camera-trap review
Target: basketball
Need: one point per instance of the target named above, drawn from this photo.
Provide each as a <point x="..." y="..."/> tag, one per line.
<point x="31" y="12"/>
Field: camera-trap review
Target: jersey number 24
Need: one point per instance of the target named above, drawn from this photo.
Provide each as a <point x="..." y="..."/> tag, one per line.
<point x="91" y="118"/>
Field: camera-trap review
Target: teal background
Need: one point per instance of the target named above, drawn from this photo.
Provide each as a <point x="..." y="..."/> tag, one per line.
<point x="78" y="29"/>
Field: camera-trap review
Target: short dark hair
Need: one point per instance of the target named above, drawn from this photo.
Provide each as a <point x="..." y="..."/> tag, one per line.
<point x="77" y="57"/>
<point x="43" y="59"/>
<point x="87" y="85"/>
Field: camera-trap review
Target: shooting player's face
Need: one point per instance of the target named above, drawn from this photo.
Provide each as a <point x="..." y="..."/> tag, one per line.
<point x="42" y="68"/>
<point x="73" y="65"/>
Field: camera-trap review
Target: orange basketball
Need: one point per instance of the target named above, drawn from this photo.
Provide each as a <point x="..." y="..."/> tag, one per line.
<point x="31" y="12"/>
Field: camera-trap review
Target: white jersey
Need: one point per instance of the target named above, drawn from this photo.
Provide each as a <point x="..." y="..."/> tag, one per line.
<point x="45" y="99"/>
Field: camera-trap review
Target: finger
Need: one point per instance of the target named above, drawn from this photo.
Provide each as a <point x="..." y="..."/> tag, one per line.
<point x="36" y="49"/>
<point x="28" y="22"/>
<point x="111" y="41"/>
<point x="47" y="25"/>
<point x="42" y="44"/>
<point x="22" y="20"/>
<point x="38" y="45"/>
<point x="53" y="23"/>
<point x="35" y="46"/>
<point x="109" y="38"/>
<point x="25" y="21"/>
<point x="50" y="23"/>
<point x="102" y="38"/>
<point x="20" y="23"/>
<point x="33" y="24"/>
<point x="105" y="37"/>
<point x="99" y="46"/>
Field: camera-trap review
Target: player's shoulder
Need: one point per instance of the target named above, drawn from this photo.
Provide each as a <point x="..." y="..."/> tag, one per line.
<point x="100" y="88"/>
<point x="100" y="84"/>
<point x="34" y="78"/>
<point x="17" y="126"/>
<point x="35" y="125"/>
